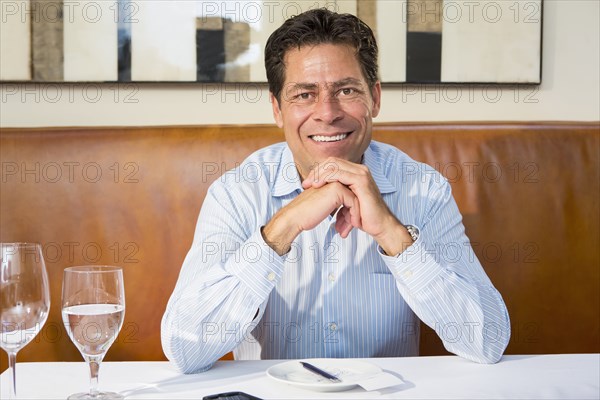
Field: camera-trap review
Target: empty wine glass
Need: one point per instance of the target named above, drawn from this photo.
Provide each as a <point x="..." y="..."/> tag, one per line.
<point x="93" y="309"/>
<point x="24" y="299"/>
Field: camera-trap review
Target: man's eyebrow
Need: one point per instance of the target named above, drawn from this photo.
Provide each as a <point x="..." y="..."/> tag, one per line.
<point x="302" y="86"/>
<point x="346" y="82"/>
<point x="334" y="85"/>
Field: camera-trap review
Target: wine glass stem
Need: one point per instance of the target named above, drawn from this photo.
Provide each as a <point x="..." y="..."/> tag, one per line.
<point x="94" y="368"/>
<point x="12" y="365"/>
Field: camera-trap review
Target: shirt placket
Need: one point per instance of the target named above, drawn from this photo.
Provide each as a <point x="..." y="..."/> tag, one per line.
<point x="330" y="269"/>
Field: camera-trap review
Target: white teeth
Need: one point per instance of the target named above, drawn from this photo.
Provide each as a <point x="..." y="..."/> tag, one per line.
<point x="335" y="138"/>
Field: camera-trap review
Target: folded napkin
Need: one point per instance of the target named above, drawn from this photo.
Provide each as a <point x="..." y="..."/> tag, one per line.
<point x="380" y="381"/>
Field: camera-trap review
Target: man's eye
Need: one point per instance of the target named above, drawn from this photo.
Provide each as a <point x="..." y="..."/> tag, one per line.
<point x="347" y="91"/>
<point x="304" y="96"/>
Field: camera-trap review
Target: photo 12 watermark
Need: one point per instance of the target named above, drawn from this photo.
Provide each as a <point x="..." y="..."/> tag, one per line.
<point x="55" y="332"/>
<point x="70" y="11"/>
<point x="472" y="172"/>
<point x="91" y="252"/>
<point x="490" y="12"/>
<point x="70" y="172"/>
<point x="490" y="253"/>
<point x="469" y="94"/>
<point x="69" y="93"/>
<point x="232" y="93"/>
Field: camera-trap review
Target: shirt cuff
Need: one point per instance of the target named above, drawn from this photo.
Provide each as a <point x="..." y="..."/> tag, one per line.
<point x="416" y="267"/>
<point x="257" y="266"/>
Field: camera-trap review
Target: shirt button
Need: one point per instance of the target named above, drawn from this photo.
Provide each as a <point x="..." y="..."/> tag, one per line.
<point x="271" y="276"/>
<point x="408" y="274"/>
<point x="333" y="326"/>
<point x="331" y="277"/>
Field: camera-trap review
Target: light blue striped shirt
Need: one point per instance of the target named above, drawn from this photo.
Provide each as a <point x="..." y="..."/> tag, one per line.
<point x="329" y="297"/>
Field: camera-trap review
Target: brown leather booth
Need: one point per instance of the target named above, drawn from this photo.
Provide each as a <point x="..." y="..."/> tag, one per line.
<point x="130" y="197"/>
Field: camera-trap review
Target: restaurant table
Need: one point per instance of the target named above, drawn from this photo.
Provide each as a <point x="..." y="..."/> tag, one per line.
<point x="558" y="376"/>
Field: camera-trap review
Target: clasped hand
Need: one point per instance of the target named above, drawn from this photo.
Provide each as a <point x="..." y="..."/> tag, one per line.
<point x="362" y="206"/>
<point x="332" y="185"/>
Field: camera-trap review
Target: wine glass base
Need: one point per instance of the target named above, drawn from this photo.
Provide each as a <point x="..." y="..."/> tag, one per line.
<point x="98" y="396"/>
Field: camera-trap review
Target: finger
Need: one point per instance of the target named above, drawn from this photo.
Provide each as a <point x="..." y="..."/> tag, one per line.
<point x="309" y="180"/>
<point x="355" y="176"/>
<point x="325" y="172"/>
<point x="350" y="212"/>
<point x="354" y="215"/>
<point x="343" y="227"/>
<point x="317" y="176"/>
<point x="346" y="232"/>
<point x="342" y="218"/>
<point x="317" y="179"/>
<point x="338" y="176"/>
<point x="343" y="222"/>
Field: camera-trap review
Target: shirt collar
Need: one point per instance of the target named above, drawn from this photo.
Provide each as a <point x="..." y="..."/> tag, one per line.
<point x="373" y="160"/>
<point x="287" y="179"/>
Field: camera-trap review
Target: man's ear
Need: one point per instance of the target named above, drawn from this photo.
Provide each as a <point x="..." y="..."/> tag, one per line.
<point x="376" y="94"/>
<point x="276" y="110"/>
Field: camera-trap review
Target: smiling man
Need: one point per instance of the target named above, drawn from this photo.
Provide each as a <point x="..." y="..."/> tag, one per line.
<point x="331" y="249"/>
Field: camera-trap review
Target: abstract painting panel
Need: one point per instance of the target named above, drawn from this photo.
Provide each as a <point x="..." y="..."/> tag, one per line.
<point x="89" y="42"/>
<point x="15" y="41"/>
<point x="163" y="41"/>
<point x="421" y="41"/>
<point x="391" y="38"/>
<point x="47" y="45"/>
<point x="499" y="42"/>
<point x="424" y="40"/>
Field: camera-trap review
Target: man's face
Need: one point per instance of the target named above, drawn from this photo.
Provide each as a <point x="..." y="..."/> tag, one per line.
<point x="326" y="107"/>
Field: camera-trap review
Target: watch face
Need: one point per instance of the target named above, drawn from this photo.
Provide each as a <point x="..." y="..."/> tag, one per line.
<point x="414" y="232"/>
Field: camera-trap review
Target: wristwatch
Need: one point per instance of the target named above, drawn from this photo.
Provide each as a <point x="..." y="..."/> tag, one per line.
<point x="413" y="231"/>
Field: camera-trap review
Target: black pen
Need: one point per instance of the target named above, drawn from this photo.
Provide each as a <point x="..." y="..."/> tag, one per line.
<point x="320" y="372"/>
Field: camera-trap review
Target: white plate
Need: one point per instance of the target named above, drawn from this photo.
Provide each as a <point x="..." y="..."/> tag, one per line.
<point x="349" y="371"/>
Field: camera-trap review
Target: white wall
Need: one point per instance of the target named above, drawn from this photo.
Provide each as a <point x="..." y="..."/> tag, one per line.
<point x="570" y="91"/>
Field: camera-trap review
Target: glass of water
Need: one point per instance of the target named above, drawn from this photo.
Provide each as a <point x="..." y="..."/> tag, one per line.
<point x="93" y="309"/>
<point x="24" y="299"/>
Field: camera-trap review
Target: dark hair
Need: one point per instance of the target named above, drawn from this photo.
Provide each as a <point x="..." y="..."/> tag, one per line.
<point x="320" y="26"/>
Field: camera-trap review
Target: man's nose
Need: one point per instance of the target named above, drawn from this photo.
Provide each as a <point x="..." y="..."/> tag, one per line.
<point x="327" y="109"/>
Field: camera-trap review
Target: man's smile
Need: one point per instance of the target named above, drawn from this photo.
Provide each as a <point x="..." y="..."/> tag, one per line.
<point x="330" y="138"/>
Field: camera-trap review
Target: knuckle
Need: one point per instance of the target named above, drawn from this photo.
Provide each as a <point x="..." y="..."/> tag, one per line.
<point x="331" y="162"/>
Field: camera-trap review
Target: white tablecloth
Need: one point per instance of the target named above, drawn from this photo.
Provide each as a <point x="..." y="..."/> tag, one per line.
<point x="575" y="376"/>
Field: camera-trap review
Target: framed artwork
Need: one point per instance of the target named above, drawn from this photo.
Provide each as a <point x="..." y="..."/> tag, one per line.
<point x="420" y="41"/>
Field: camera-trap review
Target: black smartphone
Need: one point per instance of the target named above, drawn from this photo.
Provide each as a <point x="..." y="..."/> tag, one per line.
<point x="231" y="396"/>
